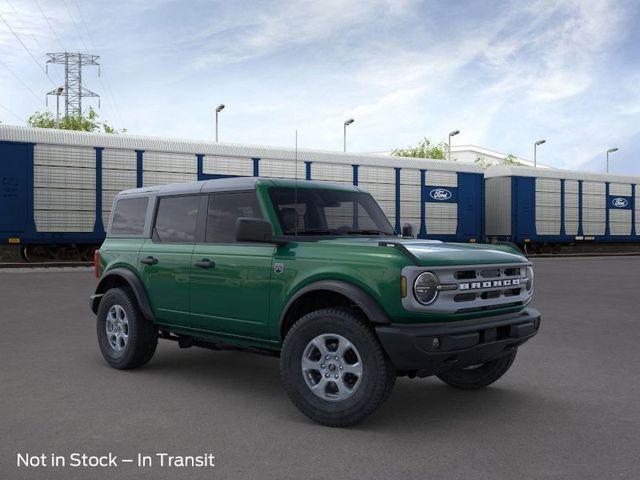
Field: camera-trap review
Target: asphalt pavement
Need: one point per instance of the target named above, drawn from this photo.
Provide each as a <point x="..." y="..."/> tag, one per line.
<point x="569" y="407"/>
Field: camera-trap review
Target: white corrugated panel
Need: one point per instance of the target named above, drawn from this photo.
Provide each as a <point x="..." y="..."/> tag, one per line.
<point x="271" y="168"/>
<point x="441" y="218"/>
<point x="498" y="206"/>
<point x="367" y="174"/>
<point x="619" y="221"/>
<point x="548" y="211"/>
<point x="594" y="188"/>
<point x="162" y="178"/>
<point x="571" y="219"/>
<point x="64" y="221"/>
<point x="67" y="199"/>
<point x="409" y="176"/>
<point x="332" y="172"/>
<point x="410" y="198"/>
<point x="571" y="228"/>
<point x="571" y="186"/>
<point x="380" y="191"/>
<point x="620" y="189"/>
<point x="547" y="185"/>
<point x="547" y="227"/>
<point x="593" y="228"/>
<point x="441" y="179"/>
<point x="571" y="207"/>
<point x="169" y="162"/>
<point x="218" y="165"/>
<point x="114" y="159"/>
<point x="64" y="156"/>
<point x="64" y="188"/>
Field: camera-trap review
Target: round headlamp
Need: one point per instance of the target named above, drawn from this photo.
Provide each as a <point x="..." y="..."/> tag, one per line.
<point x="529" y="274"/>
<point x="425" y="288"/>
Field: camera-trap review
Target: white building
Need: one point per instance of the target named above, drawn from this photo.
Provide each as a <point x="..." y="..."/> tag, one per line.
<point x="485" y="157"/>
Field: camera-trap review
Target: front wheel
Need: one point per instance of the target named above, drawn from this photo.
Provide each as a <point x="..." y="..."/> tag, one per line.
<point x="478" y="376"/>
<point x="334" y="369"/>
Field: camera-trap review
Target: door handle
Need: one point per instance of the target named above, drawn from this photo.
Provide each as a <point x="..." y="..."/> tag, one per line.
<point x="205" y="263"/>
<point x="149" y="260"/>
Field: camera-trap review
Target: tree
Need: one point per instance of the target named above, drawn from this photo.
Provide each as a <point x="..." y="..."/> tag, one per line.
<point x="510" y="159"/>
<point x="425" y="149"/>
<point x="85" y="123"/>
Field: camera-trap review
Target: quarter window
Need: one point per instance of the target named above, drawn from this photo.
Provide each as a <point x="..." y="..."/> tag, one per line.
<point x="176" y="219"/>
<point x="128" y="217"/>
<point x="224" y="209"/>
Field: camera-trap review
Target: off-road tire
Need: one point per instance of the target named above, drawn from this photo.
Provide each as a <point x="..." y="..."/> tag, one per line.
<point x="479" y="377"/>
<point x="378" y="377"/>
<point x="142" y="334"/>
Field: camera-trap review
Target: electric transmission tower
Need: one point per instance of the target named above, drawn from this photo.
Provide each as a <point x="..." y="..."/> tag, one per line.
<point x="73" y="90"/>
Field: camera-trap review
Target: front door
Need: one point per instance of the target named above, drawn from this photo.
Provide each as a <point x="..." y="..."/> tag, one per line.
<point x="230" y="281"/>
<point x="165" y="259"/>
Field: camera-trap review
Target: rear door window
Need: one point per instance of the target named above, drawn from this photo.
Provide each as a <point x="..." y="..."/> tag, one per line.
<point x="129" y="216"/>
<point x="224" y="209"/>
<point x="176" y="219"/>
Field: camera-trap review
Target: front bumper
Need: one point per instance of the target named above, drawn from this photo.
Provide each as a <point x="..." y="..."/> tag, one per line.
<point x="428" y="349"/>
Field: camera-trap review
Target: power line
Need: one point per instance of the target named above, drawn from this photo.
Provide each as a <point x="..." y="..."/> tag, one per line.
<point x="50" y="26"/>
<point x="27" y="49"/>
<point x="21" y="81"/>
<point x="106" y="84"/>
<point x="14" y="114"/>
<point x="75" y="26"/>
<point x="24" y="24"/>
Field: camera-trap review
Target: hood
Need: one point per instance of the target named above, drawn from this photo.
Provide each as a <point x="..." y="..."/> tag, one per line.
<point x="436" y="253"/>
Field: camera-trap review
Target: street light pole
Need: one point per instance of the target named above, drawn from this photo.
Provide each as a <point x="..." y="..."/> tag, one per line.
<point x="219" y="108"/>
<point x="535" y="152"/>
<point x="611" y="150"/>
<point x="344" y="133"/>
<point x="59" y="90"/>
<point x="451" y="134"/>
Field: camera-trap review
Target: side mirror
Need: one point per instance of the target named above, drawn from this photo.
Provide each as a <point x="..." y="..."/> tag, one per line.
<point x="407" y="230"/>
<point x="253" y="230"/>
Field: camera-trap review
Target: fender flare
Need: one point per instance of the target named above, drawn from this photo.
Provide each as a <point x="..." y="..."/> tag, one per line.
<point x="133" y="281"/>
<point x="363" y="300"/>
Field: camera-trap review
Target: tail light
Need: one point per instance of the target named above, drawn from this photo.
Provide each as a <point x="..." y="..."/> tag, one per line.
<point x="96" y="263"/>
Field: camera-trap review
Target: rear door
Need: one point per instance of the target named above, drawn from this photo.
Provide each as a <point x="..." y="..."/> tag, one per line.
<point x="229" y="280"/>
<point x="13" y="187"/>
<point x="165" y="258"/>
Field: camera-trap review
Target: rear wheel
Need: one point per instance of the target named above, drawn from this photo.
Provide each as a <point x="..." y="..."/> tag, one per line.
<point x="334" y="369"/>
<point x="478" y="376"/>
<point x="126" y="338"/>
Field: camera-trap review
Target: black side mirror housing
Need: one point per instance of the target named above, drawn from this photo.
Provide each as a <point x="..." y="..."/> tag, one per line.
<point x="254" y="230"/>
<point x="407" y="230"/>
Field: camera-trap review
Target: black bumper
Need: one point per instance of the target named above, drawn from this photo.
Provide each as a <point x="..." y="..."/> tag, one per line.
<point x="428" y="349"/>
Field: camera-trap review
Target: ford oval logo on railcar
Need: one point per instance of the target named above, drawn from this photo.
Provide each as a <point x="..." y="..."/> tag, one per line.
<point x="440" y="194"/>
<point x="619" y="202"/>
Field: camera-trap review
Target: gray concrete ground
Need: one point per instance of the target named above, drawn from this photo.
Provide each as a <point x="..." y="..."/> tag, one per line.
<point x="569" y="408"/>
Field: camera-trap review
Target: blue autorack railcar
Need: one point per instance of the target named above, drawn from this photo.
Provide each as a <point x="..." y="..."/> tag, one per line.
<point x="58" y="185"/>
<point x="550" y="206"/>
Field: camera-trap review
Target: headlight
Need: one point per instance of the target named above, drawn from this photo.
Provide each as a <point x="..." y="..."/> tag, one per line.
<point x="425" y="288"/>
<point x="529" y="274"/>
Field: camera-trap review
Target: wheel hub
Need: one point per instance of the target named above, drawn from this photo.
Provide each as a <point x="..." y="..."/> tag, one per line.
<point x="332" y="367"/>
<point x="117" y="328"/>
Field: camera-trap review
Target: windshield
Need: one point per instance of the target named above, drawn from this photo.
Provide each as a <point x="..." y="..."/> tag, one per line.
<point x="319" y="211"/>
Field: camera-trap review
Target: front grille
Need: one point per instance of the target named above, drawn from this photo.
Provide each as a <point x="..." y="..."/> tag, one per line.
<point x="474" y="288"/>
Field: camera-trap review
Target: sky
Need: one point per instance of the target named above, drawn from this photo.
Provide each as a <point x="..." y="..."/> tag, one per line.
<point x="504" y="73"/>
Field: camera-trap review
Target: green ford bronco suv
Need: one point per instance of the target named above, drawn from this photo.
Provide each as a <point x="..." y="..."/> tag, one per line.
<point x="311" y="272"/>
